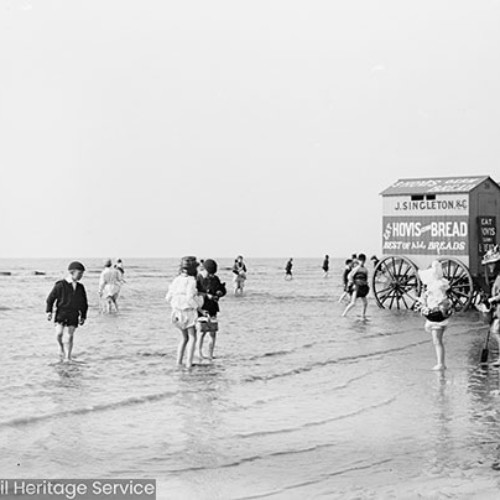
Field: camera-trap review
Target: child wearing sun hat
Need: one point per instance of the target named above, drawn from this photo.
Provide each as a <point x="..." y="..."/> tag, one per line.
<point x="436" y="307"/>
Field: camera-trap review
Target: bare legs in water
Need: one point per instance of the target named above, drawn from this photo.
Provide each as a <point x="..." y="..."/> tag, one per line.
<point x="211" y="345"/>
<point x="187" y="343"/>
<point x="351" y="304"/>
<point x="239" y="285"/>
<point x="59" y="332"/>
<point x="110" y="304"/>
<point x="437" y="339"/>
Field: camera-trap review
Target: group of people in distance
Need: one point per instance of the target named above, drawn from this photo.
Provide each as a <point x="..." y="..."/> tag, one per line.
<point x="289" y="268"/>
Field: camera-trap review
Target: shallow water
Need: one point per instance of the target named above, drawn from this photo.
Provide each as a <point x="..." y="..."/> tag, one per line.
<point x="300" y="403"/>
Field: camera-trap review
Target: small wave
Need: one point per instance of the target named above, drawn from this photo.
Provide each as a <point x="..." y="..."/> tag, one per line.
<point x="318" y="422"/>
<point x="16" y="422"/>
<point x="271" y="354"/>
<point x="338" y="387"/>
<point x="319" y="479"/>
<point x="255" y="458"/>
<point x="154" y="354"/>
<point x="312" y="366"/>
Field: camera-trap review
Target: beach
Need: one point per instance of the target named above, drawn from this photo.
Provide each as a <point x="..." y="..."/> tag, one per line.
<point x="299" y="403"/>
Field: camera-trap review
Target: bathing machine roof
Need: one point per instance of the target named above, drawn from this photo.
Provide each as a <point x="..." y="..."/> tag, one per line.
<point x="437" y="185"/>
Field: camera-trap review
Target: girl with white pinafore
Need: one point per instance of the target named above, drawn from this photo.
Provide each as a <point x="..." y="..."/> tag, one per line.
<point x="436" y="307"/>
<point x="185" y="300"/>
<point x="110" y="283"/>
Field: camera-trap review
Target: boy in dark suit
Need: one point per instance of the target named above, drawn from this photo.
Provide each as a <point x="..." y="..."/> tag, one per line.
<point x="70" y="300"/>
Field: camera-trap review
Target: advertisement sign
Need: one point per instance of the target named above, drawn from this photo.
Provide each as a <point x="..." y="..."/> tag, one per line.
<point x="440" y="206"/>
<point x="487" y="230"/>
<point x="425" y="235"/>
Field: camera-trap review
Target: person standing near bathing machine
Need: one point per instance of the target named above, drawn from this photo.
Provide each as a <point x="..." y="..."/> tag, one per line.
<point x="492" y="260"/>
<point x="71" y="306"/>
<point x="349" y="264"/>
<point x="436" y="307"/>
<point x="358" y="285"/>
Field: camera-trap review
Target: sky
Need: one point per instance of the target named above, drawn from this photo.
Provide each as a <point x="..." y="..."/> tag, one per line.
<point x="267" y="128"/>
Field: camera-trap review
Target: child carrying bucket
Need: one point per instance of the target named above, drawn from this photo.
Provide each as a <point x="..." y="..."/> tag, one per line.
<point x="436" y="307"/>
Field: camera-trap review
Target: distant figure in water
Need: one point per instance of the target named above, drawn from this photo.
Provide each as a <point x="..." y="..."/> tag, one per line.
<point x="210" y="286"/>
<point x="288" y="269"/>
<point x="436" y="307"/>
<point x="375" y="260"/>
<point x="110" y="283"/>
<point x="185" y="300"/>
<point x="349" y="264"/>
<point x="358" y="285"/>
<point x="120" y="267"/>
<point x="326" y="265"/>
<point x="240" y="275"/>
<point x="71" y="306"/>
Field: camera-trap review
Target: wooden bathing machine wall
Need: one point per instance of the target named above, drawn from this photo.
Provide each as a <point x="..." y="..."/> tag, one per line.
<point x="452" y="217"/>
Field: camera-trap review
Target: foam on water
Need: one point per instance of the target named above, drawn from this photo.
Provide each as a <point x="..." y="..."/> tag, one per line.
<point x="300" y="403"/>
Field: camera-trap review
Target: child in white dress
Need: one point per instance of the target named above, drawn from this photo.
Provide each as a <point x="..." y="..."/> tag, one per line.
<point x="185" y="300"/>
<point x="436" y="307"/>
<point x="110" y="283"/>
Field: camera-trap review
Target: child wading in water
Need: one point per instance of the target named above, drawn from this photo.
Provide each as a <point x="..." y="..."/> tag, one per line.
<point x="185" y="300"/>
<point x="288" y="269"/>
<point x="358" y="285"/>
<point x="212" y="289"/>
<point x="71" y="306"/>
<point x="110" y="283"/>
<point x="436" y="307"/>
<point x="345" y="279"/>
<point x="240" y="275"/>
<point x="326" y="266"/>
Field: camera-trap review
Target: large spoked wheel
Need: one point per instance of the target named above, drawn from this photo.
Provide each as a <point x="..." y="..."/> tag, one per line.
<point x="396" y="283"/>
<point x="461" y="290"/>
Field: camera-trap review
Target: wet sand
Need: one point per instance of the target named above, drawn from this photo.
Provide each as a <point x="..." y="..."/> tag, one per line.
<point x="299" y="404"/>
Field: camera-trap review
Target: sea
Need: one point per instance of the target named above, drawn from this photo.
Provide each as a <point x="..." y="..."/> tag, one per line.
<point x="299" y="402"/>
